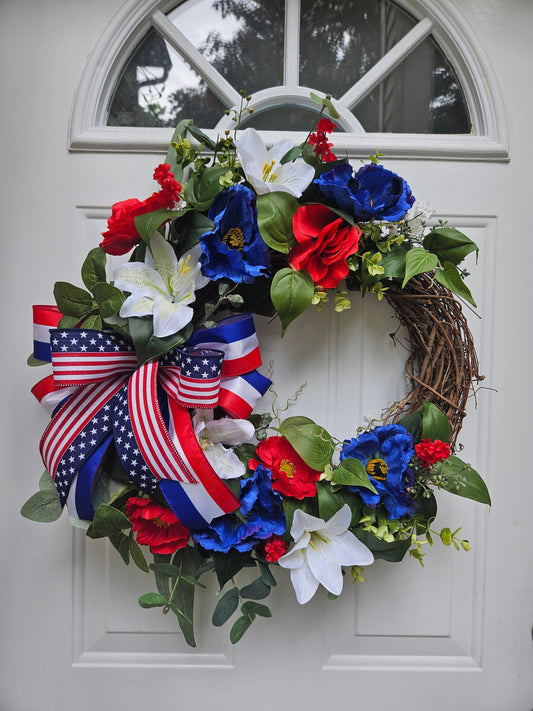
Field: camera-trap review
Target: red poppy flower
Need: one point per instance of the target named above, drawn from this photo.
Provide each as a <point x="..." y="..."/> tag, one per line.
<point x="325" y="242"/>
<point x="156" y="526"/>
<point x="291" y="476"/>
<point x="429" y="452"/>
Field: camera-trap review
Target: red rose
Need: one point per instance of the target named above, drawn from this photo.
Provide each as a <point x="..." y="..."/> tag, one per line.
<point x="156" y="526"/>
<point x="290" y="474"/>
<point x="325" y="242"/>
<point x="429" y="452"/>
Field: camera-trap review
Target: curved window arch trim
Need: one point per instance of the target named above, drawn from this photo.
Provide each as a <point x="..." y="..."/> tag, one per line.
<point x="88" y="132"/>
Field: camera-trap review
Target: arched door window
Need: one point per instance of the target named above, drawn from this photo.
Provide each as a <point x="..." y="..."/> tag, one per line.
<point x="392" y="70"/>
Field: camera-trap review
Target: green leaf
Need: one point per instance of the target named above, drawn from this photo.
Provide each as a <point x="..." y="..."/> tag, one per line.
<point x="107" y="521"/>
<point x="352" y="472"/>
<point x="266" y="574"/>
<point x="461" y="479"/>
<point x="93" y="268"/>
<point x="393" y="263"/>
<point x="171" y="157"/>
<point x="189" y="561"/>
<point x="449" y="276"/>
<point x="188" y="228"/>
<point x="44" y="506"/>
<point x="291" y="293"/>
<point x="392" y="552"/>
<point x="68" y="321"/>
<point x="92" y="321"/>
<point x="435" y="424"/>
<point x="329" y="502"/>
<point x="449" y="244"/>
<point x="108" y="298"/>
<point x="256" y="590"/>
<point x="162" y="581"/>
<point x="226" y="606"/>
<point x="152" y="599"/>
<point x="228" y="564"/>
<point x="167" y="569"/>
<point x="46" y="483"/>
<point x="71" y="300"/>
<point x="413" y="424"/>
<point x="254" y="608"/>
<point x="312" y="442"/>
<point x="274" y="217"/>
<point x="201" y="136"/>
<point x="239" y="628"/>
<point x="418" y="261"/>
<point x="291" y="155"/>
<point x="122" y="544"/>
<point x="137" y="555"/>
<point x="327" y="103"/>
<point x="200" y="192"/>
<point x="148" y="346"/>
<point x="150" y="222"/>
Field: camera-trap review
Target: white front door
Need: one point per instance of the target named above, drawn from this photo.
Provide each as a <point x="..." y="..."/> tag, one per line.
<point x="455" y="635"/>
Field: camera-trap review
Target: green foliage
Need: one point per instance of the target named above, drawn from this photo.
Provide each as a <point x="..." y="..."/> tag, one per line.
<point x="150" y="222"/>
<point x="225" y="607"/>
<point x="450" y="277"/>
<point x="393" y="552"/>
<point x="460" y="478"/>
<point x="352" y="472"/>
<point x="418" y="261"/>
<point x="44" y="506"/>
<point x="329" y="502"/>
<point x="148" y="346"/>
<point x="71" y="300"/>
<point x="201" y="191"/>
<point x="291" y="293"/>
<point x="274" y="217"/>
<point x="314" y="445"/>
<point x="187" y="229"/>
<point x="228" y="564"/>
<point x="93" y="268"/>
<point x="109" y="299"/>
<point x="435" y="424"/>
<point x="449" y="244"/>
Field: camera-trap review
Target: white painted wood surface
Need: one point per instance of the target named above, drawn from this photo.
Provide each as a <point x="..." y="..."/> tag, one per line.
<point x="456" y="635"/>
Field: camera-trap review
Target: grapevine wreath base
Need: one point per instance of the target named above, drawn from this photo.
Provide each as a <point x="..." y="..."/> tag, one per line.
<point x="157" y="438"/>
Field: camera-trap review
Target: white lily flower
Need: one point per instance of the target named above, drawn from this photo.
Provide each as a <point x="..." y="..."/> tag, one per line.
<point x="319" y="551"/>
<point x="213" y="434"/>
<point x="263" y="169"/>
<point x="161" y="286"/>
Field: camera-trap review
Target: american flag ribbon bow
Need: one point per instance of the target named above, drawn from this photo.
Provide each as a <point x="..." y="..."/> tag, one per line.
<point x="143" y="412"/>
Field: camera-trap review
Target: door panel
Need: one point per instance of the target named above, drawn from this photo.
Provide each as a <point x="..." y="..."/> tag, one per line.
<point x="456" y="634"/>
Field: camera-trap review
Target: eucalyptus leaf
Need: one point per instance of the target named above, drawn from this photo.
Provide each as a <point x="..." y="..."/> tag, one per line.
<point x="107" y="521"/>
<point x="46" y="483"/>
<point x="121" y="543"/>
<point x="152" y="599"/>
<point x="418" y="261"/>
<point x="239" y="628"/>
<point x="275" y="211"/>
<point x="137" y="555"/>
<point x="44" y="506"/>
<point x="266" y="574"/>
<point x="252" y="608"/>
<point x="225" y="607"/>
<point x="291" y="292"/>
<point x="228" y="564"/>
<point x="256" y="590"/>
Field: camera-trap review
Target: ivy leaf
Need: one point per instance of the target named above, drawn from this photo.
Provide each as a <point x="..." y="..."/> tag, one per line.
<point x="435" y="424"/>
<point x="418" y="261"/>
<point x="93" y="268"/>
<point x="449" y="244"/>
<point x="225" y="607"/>
<point x="461" y="479"/>
<point x="274" y="218"/>
<point x="449" y="276"/>
<point x="291" y="293"/>
<point x="352" y="472"/>
<point x="312" y="442"/>
<point x="71" y="300"/>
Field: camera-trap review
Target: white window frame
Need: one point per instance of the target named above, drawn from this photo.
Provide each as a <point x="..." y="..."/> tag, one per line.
<point x="488" y="142"/>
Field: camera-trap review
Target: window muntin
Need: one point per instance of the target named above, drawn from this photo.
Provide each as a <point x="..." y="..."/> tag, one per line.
<point x="244" y="41"/>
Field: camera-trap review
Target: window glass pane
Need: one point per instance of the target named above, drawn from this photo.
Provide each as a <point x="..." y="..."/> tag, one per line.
<point x="283" y="118"/>
<point x="422" y="95"/>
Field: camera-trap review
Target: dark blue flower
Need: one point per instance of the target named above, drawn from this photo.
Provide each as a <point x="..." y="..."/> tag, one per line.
<point x="263" y="510"/>
<point x="234" y="249"/>
<point x="372" y="193"/>
<point x="385" y="451"/>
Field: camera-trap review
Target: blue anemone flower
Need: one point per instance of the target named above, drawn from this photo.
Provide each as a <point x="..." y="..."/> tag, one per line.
<point x="385" y="451"/>
<point x="372" y="193"/>
<point x="260" y="505"/>
<point x="234" y="249"/>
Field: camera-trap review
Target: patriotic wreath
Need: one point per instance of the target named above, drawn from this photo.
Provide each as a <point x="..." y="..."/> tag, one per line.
<point x="155" y="438"/>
